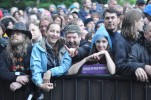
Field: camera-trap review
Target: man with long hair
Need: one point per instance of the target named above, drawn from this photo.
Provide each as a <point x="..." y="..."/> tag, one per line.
<point x="15" y="59"/>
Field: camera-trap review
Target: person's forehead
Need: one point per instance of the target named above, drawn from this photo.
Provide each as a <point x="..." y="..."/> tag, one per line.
<point x="54" y="26"/>
<point x="108" y="14"/>
<point x="72" y="34"/>
<point x="33" y="27"/>
<point x="44" y="22"/>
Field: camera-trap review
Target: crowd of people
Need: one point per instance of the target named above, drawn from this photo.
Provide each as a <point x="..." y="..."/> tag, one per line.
<point x="37" y="44"/>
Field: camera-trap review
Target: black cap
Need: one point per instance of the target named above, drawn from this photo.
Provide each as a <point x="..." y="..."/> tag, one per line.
<point x="140" y="1"/>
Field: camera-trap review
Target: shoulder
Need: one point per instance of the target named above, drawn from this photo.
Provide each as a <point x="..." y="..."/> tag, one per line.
<point x="37" y="46"/>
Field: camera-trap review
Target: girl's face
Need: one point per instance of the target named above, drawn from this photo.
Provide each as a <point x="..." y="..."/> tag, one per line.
<point x="53" y="33"/>
<point x="101" y="44"/>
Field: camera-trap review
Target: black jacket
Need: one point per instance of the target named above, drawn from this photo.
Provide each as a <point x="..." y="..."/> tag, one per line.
<point x="122" y="47"/>
<point x="83" y="51"/>
<point x="3" y="43"/>
<point x="5" y="66"/>
<point x="140" y="56"/>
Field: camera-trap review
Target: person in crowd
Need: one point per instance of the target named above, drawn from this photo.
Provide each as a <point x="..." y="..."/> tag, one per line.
<point x="15" y="59"/>
<point x="80" y="24"/>
<point x="8" y="21"/>
<point x="132" y="25"/>
<point x="50" y="59"/>
<point x="73" y="43"/>
<point x="111" y="3"/>
<point x="111" y="22"/>
<point x="99" y="53"/>
<point x="61" y="11"/>
<point x="68" y="18"/>
<point x="97" y="8"/>
<point x="89" y="24"/>
<point x="96" y="17"/>
<point x="36" y="33"/>
<point x="148" y="2"/>
<point x="98" y="24"/>
<point x="127" y="7"/>
<point x="140" y="4"/>
<point x="17" y="15"/>
<point x="3" y="40"/>
<point x="33" y="18"/>
<point x="85" y="12"/>
<point x="44" y="22"/>
<point x="139" y="58"/>
<point x="13" y="9"/>
<point x="52" y="9"/>
<point x="74" y="13"/>
<point x="147" y="12"/>
<point x="59" y="20"/>
<point x="119" y="9"/>
<point x="38" y="58"/>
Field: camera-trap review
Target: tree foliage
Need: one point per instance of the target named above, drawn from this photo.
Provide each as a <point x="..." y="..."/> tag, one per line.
<point x="22" y="4"/>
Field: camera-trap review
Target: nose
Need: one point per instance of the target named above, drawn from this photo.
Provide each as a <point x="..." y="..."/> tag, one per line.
<point x="55" y="33"/>
<point x="110" y="19"/>
<point x="100" y="44"/>
<point x="71" y="39"/>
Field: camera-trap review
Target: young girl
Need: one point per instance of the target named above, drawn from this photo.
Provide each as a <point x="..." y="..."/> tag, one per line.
<point x="99" y="53"/>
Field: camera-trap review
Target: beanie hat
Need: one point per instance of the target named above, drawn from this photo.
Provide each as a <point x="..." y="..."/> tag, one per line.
<point x="87" y="21"/>
<point x="72" y="29"/>
<point x="147" y="9"/>
<point x="101" y="32"/>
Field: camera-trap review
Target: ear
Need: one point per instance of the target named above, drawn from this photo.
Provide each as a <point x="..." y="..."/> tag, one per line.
<point x="145" y="34"/>
<point x="136" y="22"/>
<point x="118" y="20"/>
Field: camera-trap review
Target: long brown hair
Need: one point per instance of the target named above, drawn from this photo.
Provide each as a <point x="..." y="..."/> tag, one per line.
<point x="128" y="25"/>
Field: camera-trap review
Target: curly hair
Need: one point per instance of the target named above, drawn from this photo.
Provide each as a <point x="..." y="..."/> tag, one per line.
<point x="10" y="49"/>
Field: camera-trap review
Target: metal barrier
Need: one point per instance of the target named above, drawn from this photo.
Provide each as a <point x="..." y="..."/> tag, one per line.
<point x="89" y="87"/>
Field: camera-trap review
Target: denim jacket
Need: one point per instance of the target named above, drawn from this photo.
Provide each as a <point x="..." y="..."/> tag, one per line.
<point x="39" y="62"/>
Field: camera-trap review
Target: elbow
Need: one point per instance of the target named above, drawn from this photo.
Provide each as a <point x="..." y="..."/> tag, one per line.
<point x="71" y="72"/>
<point x="112" y="72"/>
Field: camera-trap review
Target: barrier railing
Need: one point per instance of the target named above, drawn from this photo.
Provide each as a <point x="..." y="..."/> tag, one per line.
<point x="89" y="87"/>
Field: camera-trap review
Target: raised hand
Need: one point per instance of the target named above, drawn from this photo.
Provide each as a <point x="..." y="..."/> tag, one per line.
<point x="72" y="51"/>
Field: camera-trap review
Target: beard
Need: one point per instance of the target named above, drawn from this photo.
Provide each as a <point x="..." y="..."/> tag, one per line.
<point x="72" y="44"/>
<point x="15" y="42"/>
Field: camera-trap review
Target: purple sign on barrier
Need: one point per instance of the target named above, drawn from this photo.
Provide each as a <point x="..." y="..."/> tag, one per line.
<point x="94" y="69"/>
